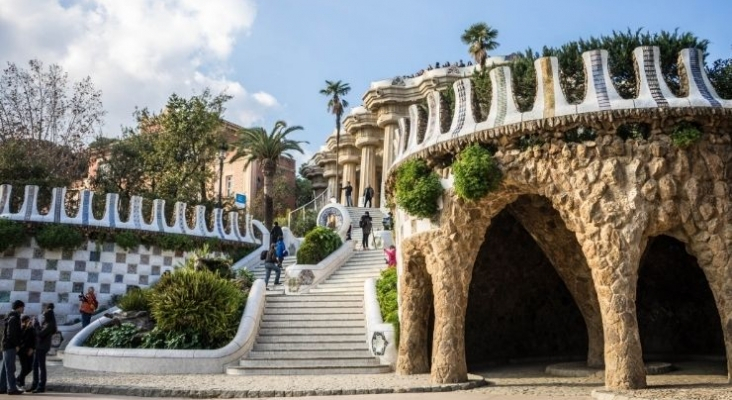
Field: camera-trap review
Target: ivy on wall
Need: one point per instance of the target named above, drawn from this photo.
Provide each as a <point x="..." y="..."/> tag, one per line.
<point x="476" y="173"/>
<point x="417" y="188"/>
<point x="685" y="134"/>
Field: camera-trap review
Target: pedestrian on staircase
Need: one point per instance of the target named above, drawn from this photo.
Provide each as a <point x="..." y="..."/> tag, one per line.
<point x="368" y="194"/>
<point x="276" y="233"/>
<point x="365" y="225"/>
<point x="280" y="250"/>
<point x="271" y="264"/>
<point x="349" y="192"/>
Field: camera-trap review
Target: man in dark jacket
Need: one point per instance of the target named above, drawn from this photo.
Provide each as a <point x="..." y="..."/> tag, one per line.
<point x="349" y="192"/>
<point x="44" y="334"/>
<point x="368" y="194"/>
<point x="275" y="234"/>
<point x="12" y="339"/>
<point x="25" y="354"/>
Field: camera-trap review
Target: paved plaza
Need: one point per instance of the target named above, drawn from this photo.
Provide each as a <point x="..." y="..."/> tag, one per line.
<point x="692" y="381"/>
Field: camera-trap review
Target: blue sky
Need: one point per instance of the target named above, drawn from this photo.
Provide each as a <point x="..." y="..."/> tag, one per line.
<point x="274" y="55"/>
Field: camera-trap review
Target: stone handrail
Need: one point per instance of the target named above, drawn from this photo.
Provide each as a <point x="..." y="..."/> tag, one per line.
<point x="550" y="101"/>
<point x="252" y="259"/>
<point x="380" y="336"/>
<point x="69" y="331"/>
<point x="136" y="221"/>
<point x="300" y="278"/>
<point x="163" y="361"/>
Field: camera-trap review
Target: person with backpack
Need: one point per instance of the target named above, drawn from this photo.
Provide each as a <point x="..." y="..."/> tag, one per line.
<point x="44" y="336"/>
<point x="270" y="264"/>
<point x="365" y="225"/>
<point x="12" y="339"/>
<point x="368" y="194"/>
<point x="281" y="251"/>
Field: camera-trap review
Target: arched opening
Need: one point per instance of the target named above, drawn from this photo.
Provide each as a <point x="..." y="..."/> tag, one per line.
<point x="677" y="315"/>
<point x="518" y="306"/>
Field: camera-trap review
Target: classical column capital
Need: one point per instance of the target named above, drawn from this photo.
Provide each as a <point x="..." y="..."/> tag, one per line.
<point x="389" y="114"/>
<point x="369" y="137"/>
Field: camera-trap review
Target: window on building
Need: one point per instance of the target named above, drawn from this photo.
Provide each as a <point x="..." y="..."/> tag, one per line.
<point x="229" y="180"/>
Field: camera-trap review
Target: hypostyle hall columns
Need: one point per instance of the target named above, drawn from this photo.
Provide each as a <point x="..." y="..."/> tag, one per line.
<point x="367" y="139"/>
<point x="388" y="120"/>
<point x="349" y="158"/>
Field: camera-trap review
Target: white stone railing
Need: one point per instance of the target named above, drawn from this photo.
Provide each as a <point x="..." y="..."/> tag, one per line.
<point x="29" y="212"/>
<point x="600" y="95"/>
<point x="162" y="361"/>
<point x="380" y="336"/>
<point x="300" y="278"/>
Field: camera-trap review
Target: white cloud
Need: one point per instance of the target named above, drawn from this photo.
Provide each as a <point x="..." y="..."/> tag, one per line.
<point x="137" y="52"/>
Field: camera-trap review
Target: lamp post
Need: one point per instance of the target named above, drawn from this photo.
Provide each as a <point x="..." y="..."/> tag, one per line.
<point x="223" y="149"/>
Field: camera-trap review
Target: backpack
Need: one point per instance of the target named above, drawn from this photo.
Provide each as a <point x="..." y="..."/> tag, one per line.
<point x="360" y="223"/>
<point x="263" y="255"/>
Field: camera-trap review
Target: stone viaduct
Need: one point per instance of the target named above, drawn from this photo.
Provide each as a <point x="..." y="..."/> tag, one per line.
<point x="591" y="206"/>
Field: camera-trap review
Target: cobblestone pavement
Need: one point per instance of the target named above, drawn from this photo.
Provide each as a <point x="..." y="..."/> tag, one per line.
<point x="692" y="381"/>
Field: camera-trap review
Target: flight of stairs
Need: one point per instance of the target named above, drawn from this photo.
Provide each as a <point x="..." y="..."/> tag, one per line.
<point x="322" y="332"/>
<point x="376" y="223"/>
<point x="259" y="273"/>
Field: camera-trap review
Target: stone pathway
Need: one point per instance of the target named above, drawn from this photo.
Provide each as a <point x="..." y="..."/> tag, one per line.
<point x="693" y="381"/>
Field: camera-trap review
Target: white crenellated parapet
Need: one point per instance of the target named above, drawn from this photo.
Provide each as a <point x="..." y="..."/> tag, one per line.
<point x="56" y="213"/>
<point x="550" y="101"/>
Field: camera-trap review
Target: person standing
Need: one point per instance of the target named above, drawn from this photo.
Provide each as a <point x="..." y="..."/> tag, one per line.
<point x="25" y="354"/>
<point x="368" y="194"/>
<point x="276" y="233"/>
<point x="280" y="251"/>
<point x="349" y="192"/>
<point x="390" y="255"/>
<point x="270" y="264"/>
<point x="365" y="225"/>
<point x="12" y="339"/>
<point x="88" y="306"/>
<point x="44" y="335"/>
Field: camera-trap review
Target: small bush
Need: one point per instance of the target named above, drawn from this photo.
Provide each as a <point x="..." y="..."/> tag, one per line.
<point x="122" y="337"/>
<point x="135" y="300"/>
<point x="417" y="188"/>
<point x="303" y="222"/>
<point x="11" y="234"/>
<point x="386" y="294"/>
<point x="172" y="242"/>
<point x="318" y="244"/>
<point x="685" y="134"/>
<point x="57" y="236"/>
<point x="476" y="173"/>
<point x="127" y="240"/>
<point x="160" y="339"/>
<point x="198" y="301"/>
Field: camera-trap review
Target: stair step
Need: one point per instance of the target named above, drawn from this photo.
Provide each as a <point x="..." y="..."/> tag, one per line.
<point x="316" y="304"/>
<point x="308" y="298"/>
<point x="362" y="354"/>
<point x="322" y="310"/>
<point x="313" y="331"/>
<point x="333" y="290"/>
<point x="313" y="317"/>
<point x="315" y="324"/>
<point x="314" y="340"/>
<point x="310" y="362"/>
<point x="237" y="370"/>
<point x="355" y="345"/>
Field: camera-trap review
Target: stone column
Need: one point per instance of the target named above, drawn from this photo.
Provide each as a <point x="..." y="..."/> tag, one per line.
<point x="560" y="246"/>
<point x="329" y="173"/>
<point x="367" y="139"/>
<point x="613" y="255"/>
<point x="349" y="158"/>
<point x="388" y="118"/>
<point x="415" y="305"/>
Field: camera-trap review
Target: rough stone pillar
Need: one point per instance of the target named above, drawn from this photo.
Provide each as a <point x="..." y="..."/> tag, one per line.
<point x="560" y="246"/>
<point x="415" y="305"/>
<point x="450" y="262"/>
<point x="613" y="255"/>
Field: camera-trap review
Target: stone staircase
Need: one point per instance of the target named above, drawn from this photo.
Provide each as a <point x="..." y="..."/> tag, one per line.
<point x="322" y="332"/>
<point x="259" y="273"/>
<point x="376" y="221"/>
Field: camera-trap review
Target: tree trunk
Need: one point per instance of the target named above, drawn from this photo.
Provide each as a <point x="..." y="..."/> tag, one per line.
<point x="269" y="174"/>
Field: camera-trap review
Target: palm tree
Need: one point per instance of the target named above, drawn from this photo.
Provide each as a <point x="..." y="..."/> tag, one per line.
<point x="336" y="105"/>
<point x="481" y="38"/>
<point x="255" y="144"/>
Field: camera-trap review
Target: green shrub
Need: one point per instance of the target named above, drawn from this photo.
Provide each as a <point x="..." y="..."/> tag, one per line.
<point x="318" y="244"/>
<point x="685" y="134"/>
<point x="57" y="236"/>
<point x="12" y="234"/>
<point x="127" y="240"/>
<point x="172" y="242"/>
<point x="476" y="173"/>
<point x="198" y="301"/>
<point x="135" y="300"/>
<point x="160" y="339"/>
<point x="386" y="294"/>
<point x="303" y="222"/>
<point x="122" y="336"/>
<point x="239" y="252"/>
<point x="417" y="188"/>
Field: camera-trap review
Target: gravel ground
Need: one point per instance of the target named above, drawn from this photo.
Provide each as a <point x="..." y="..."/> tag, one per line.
<point x="692" y="381"/>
